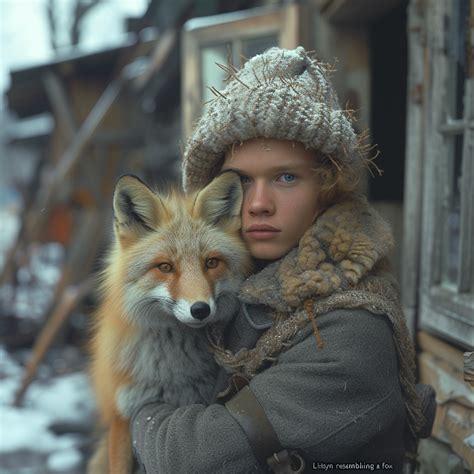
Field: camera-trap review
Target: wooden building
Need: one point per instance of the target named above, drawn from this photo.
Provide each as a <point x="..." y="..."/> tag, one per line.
<point x="438" y="252"/>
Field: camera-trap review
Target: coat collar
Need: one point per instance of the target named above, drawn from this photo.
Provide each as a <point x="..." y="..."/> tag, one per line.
<point x="334" y="254"/>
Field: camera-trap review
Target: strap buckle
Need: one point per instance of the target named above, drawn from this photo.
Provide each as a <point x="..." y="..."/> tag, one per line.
<point x="286" y="462"/>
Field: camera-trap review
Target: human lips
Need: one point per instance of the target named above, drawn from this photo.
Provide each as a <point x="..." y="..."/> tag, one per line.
<point x="261" y="231"/>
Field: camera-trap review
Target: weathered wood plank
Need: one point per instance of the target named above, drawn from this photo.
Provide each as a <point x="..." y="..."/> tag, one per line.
<point x="445" y="307"/>
<point x="455" y="405"/>
<point x="441" y="350"/>
<point x="410" y="268"/>
<point x="469" y="367"/>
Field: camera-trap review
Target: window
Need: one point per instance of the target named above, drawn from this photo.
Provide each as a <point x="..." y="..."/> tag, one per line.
<point x="230" y="37"/>
<point x="229" y="51"/>
<point x="447" y="243"/>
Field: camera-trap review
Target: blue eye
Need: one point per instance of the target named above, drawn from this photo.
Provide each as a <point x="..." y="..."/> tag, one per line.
<point x="244" y="179"/>
<point x="288" y="178"/>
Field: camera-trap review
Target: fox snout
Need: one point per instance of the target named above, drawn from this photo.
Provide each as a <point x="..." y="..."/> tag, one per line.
<point x="197" y="313"/>
<point x="200" y="310"/>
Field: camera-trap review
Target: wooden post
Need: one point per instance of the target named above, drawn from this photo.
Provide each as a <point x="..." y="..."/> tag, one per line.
<point x="60" y="104"/>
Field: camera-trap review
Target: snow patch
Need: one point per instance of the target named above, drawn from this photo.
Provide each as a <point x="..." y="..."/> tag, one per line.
<point x="25" y="428"/>
<point x="63" y="399"/>
<point x="64" y="460"/>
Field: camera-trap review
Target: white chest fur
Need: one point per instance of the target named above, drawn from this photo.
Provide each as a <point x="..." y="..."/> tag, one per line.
<point x="170" y="364"/>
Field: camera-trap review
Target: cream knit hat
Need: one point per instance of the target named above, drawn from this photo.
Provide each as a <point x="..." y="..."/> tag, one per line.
<point x="281" y="94"/>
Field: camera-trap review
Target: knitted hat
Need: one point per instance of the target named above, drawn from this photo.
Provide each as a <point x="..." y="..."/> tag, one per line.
<point x="281" y="94"/>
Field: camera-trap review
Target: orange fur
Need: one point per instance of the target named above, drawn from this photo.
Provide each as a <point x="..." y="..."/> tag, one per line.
<point x="120" y="454"/>
<point x="110" y="332"/>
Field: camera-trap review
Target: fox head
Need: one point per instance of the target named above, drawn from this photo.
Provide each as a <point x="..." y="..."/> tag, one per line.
<point x="178" y="254"/>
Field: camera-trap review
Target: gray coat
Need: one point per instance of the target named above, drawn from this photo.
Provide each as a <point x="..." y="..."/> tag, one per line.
<point x="339" y="404"/>
<point x="348" y="402"/>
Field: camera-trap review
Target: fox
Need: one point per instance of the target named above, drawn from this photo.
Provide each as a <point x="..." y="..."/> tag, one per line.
<point x="174" y="267"/>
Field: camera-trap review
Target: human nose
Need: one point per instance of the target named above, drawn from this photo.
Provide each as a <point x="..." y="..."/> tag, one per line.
<point x="260" y="199"/>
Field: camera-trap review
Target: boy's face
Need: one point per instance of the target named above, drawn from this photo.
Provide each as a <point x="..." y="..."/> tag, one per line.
<point x="280" y="194"/>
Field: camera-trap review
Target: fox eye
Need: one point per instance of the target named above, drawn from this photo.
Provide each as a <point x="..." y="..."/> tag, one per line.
<point x="165" y="267"/>
<point x="212" y="262"/>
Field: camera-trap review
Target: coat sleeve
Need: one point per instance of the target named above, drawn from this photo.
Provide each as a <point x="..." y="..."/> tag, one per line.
<point x="331" y="403"/>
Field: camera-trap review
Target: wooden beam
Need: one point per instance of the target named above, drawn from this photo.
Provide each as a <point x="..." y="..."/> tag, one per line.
<point x="412" y="207"/>
<point x="60" y="104"/>
<point x="164" y="45"/>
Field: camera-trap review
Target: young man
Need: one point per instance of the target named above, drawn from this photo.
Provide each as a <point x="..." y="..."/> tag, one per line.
<point x="324" y="360"/>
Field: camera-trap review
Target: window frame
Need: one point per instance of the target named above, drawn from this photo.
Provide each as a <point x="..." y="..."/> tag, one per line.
<point x="288" y="22"/>
<point x="447" y="310"/>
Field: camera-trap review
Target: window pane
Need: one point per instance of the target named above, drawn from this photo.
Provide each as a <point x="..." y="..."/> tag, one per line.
<point x="452" y="201"/>
<point x="457" y="52"/>
<point x="211" y="75"/>
<point x="253" y="46"/>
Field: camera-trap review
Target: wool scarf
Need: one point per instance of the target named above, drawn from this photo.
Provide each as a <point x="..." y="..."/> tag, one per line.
<point x="341" y="263"/>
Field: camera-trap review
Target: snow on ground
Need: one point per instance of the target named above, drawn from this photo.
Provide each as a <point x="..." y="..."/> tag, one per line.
<point x="64" y="460"/>
<point x="27" y="443"/>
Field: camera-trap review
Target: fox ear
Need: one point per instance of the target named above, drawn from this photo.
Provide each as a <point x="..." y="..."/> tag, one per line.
<point x="137" y="209"/>
<point x="219" y="203"/>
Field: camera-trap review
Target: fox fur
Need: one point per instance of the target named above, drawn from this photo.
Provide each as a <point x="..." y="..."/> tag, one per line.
<point x="174" y="263"/>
